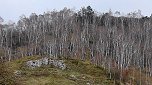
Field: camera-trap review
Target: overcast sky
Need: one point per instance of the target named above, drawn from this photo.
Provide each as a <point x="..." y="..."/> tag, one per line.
<point x="12" y="9"/>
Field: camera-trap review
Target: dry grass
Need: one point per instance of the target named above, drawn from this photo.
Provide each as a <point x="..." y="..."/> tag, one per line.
<point x="77" y="73"/>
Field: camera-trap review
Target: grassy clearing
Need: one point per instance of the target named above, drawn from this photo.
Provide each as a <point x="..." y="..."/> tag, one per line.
<point x="77" y="73"/>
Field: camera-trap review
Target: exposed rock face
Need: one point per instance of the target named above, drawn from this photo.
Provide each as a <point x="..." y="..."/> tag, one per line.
<point x="58" y="63"/>
<point x="46" y="61"/>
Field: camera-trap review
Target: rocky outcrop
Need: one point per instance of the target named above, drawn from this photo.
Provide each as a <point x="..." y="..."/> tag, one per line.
<point x="46" y="61"/>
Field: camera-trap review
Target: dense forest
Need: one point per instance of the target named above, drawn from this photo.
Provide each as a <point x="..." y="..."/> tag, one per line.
<point x="106" y="39"/>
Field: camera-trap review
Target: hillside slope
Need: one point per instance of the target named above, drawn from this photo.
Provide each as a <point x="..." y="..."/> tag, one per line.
<point x="77" y="73"/>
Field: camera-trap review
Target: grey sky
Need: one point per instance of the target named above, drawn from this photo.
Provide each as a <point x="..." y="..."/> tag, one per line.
<point x="12" y="9"/>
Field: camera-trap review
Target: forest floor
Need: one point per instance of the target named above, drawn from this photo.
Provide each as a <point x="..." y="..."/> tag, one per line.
<point x="77" y="73"/>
